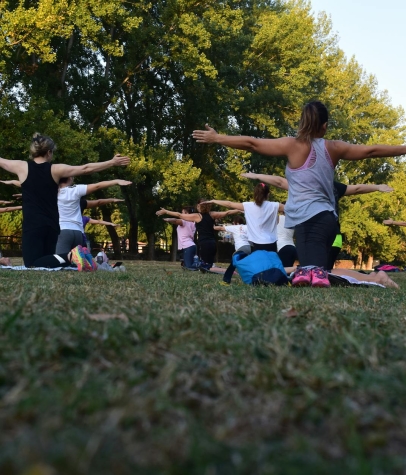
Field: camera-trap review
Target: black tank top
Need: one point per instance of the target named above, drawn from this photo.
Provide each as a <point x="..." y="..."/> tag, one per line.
<point x="205" y="231"/>
<point x="40" y="197"/>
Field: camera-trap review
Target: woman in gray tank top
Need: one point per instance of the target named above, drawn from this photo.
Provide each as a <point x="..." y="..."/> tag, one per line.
<point x="310" y="173"/>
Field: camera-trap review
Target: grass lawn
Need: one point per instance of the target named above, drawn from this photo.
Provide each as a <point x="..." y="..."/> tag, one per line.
<point x="194" y="378"/>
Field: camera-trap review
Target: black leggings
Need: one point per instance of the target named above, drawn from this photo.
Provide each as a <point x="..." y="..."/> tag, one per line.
<point x="334" y="252"/>
<point x="52" y="262"/>
<point x="208" y="250"/>
<point x="288" y="255"/>
<point x="314" y="238"/>
<point x="38" y="243"/>
<point x="264" y="247"/>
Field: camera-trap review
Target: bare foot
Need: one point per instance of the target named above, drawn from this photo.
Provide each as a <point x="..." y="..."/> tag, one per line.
<point x="382" y="278"/>
<point x="5" y="261"/>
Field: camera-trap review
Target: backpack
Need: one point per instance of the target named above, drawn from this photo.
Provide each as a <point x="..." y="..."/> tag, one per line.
<point x="260" y="267"/>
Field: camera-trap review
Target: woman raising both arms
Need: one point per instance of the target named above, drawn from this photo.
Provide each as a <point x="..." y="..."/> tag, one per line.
<point x="39" y="180"/>
<point x="204" y="220"/>
<point x="310" y="208"/>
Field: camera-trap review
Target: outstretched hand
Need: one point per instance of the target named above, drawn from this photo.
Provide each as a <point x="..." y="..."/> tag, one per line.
<point x="120" y="161"/>
<point x="205" y="136"/>
<point x="388" y="222"/>
<point x="385" y="188"/>
<point x="123" y="183"/>
<point x="248" y="175"/>
<point x="161" y="212"/>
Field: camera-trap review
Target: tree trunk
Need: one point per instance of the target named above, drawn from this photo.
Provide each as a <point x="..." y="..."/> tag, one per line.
<point x="369" y="263"/>
<point x="174" y="247"/>
<point x="115" y="240"/>
<point x="151" y="246"/>
<point x="65" y="64"/>
<point x="359" y="259"/>
<point x="132" y="215"/>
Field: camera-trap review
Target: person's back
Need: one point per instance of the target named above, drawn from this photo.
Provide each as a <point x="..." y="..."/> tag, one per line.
<point x="70" y="216"/>
<point x="186" y="234"/>
<point x="310" y="186"/>
<point x="261" y="221"/>
<point x="40" y="193"/>
<point x="204" y="228"/>
<point x="240" y="235"/>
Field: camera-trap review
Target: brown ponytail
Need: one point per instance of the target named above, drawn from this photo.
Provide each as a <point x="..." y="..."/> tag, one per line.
<point x="261" y="193"/>
<point x="205" y="207"/>
<point x="314" y="116"/>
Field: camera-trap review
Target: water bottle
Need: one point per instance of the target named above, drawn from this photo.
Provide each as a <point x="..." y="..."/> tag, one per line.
<point x="196" y="262"/>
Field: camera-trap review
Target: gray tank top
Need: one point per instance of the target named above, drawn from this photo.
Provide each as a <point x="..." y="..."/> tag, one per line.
<point x="311" y="188"/>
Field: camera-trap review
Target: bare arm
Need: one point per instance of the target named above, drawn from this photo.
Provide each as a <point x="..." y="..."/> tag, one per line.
<point x="219" y="228"/>
<point x="271" y="147"/>
<point x="63" y="171"/>
<point x="193" y="217"/>
<point x="344" y="151"/>
<point x="11" y="182"/>
<point x="5" y="202"/>
<point x="227" y="204"/>
<point x="223" y="214"/>
<point x="276" y="181"/>
<point x="18" y="167"/>
<point x="174" y="221"/>
<point x="10" y="208"/>
<point x="106" y="184"/>
<point x="104" y="201"/>
<point x="361" y="189"/>
<point x="100" y="221"/>
<point x="390" y="222"/>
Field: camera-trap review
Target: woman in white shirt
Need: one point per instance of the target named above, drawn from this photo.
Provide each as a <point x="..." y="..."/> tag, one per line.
<point x="240" y="235"/>
<point x="261" y="216"/>
<point x="70" y="215"/>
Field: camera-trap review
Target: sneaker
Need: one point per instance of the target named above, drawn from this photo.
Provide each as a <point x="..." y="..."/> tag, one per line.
<point x="203" y="267"/>
<point x="78" y="258"/>
<point x="302" y="277"/>
<point x="320" y="277"/>
<point x="226" y="284"/>
<point x="92" y="263"/>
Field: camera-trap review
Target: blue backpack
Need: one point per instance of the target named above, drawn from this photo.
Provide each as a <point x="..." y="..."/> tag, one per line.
<point x="260" y="267"/>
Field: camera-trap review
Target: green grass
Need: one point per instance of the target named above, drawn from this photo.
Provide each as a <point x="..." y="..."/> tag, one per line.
<point x="201" y="379"/>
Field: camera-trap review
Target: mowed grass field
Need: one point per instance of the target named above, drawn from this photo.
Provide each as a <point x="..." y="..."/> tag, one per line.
<point x="161" y="371"/>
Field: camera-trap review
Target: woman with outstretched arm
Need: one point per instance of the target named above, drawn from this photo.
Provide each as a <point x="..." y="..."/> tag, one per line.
<point x="204" y="220"/>
<point x="310" y="208"/>
<point x="261" y="216"/>
<point x="39" y="180"/>
<point x="340" y="190"/>
<point x="70" y="215"/>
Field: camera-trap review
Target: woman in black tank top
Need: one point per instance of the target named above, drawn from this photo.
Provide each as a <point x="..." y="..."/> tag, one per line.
<point x="206" y="237"/>
<point x="39" y="183"/>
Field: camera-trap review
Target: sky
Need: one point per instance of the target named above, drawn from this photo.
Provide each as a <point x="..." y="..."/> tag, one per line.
<point x="374" y="32"/>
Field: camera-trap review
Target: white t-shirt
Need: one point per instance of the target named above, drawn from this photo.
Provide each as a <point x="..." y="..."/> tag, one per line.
<point x="285" y="235"/>
<point x="261" y="221"/>
<point x="240" y="235"/>
<point x="70" y="216"/>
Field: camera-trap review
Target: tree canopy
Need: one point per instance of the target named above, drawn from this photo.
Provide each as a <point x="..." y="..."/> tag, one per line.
<point x="139" y="77"/>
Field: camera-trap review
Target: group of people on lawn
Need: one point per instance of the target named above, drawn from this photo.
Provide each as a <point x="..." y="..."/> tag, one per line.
<point x="52" y="234"/>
